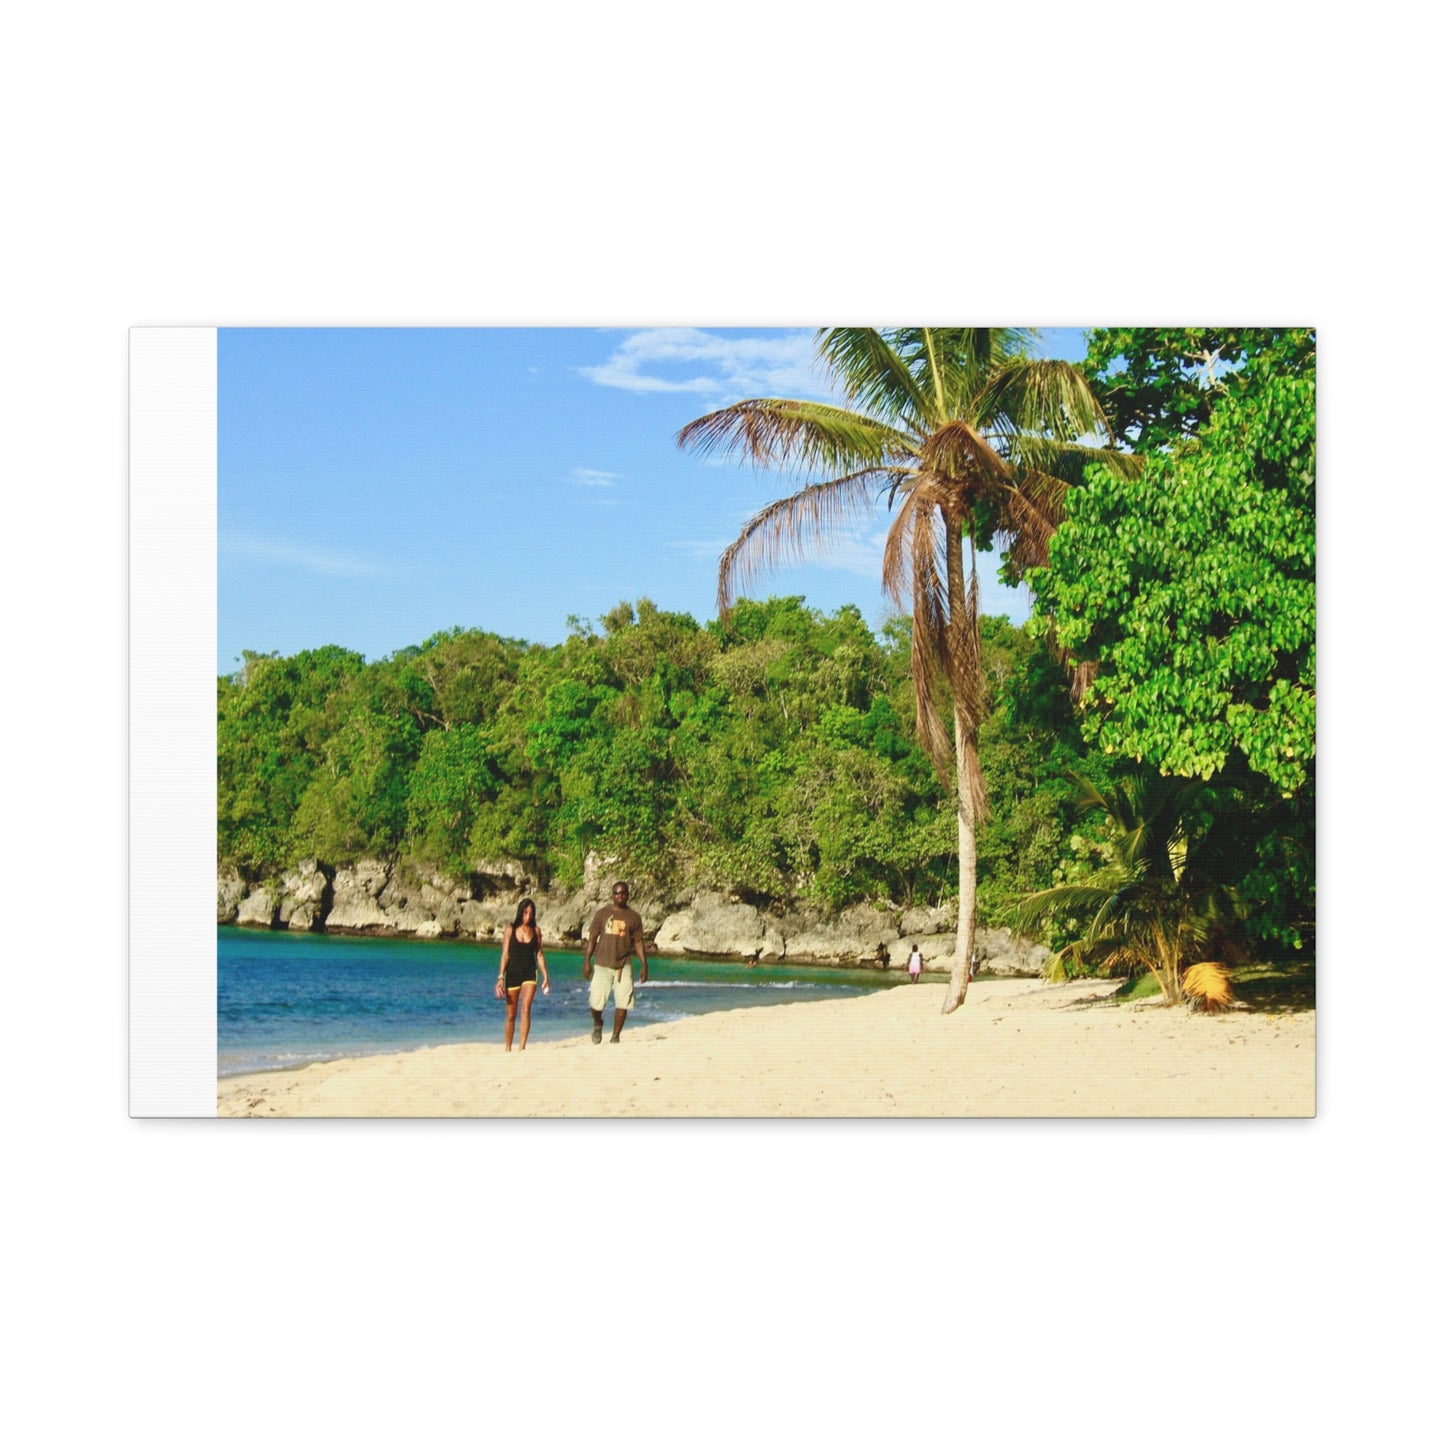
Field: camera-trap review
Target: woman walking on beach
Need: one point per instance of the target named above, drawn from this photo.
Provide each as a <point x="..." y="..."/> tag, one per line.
<point x="517" y="977"/>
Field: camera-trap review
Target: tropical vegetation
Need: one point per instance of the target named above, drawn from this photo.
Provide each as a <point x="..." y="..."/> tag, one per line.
<point x="1144" y="749"/>
<point x="972" y="441"/>
<point x="1162" y="899"/>
<point x="1190" y="593"/>
<point x="771" y="755"/>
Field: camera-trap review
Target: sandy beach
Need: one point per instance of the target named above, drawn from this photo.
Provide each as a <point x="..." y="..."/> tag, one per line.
<point x="1017" y="1049"/>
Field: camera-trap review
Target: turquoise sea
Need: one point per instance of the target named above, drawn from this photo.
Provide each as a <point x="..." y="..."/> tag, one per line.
<point x="285" y="999"/>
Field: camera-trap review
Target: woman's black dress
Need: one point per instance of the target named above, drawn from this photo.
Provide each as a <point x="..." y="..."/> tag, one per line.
<point x="522" y="961"/>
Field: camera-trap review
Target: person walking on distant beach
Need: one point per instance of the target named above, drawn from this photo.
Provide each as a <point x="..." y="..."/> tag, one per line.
<point x="522" y="956"/>
<point x="614" y="934"/>
<point x="915" y="964"/>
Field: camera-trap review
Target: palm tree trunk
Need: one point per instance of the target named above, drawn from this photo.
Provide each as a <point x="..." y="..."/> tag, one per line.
<point x="963" y="747"/>
<point x="963" y="652"/>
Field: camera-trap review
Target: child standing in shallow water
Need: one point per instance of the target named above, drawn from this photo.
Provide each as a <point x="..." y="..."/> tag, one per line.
<point x="915" y="964"/>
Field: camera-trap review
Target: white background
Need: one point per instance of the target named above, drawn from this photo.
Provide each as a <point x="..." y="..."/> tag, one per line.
<point x="168" y="164"/>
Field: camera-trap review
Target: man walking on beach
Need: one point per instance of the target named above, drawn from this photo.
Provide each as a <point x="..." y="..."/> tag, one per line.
<point x="614" y="934"/>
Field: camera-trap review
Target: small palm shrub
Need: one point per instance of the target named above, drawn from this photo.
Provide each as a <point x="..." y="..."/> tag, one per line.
<point x="1157" y="902"/>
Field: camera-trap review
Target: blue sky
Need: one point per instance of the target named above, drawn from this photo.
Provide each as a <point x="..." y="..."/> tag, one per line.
<point x="377" y="486"/>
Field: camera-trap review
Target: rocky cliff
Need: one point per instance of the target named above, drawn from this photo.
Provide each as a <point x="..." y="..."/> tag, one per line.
<point x="396" y="897"/>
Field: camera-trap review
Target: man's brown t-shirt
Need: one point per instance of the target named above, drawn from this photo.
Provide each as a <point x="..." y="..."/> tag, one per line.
<point x="616" y="933"/>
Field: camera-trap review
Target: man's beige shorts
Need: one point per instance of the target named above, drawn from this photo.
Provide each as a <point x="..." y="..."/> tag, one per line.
<point x="604" y="980"/>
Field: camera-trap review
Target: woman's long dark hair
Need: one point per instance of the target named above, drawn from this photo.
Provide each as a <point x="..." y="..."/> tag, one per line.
<point x="522" y="907"/>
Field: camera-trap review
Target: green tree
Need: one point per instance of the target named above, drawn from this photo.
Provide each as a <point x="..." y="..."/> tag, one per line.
<point x="274" y="720"/>
<point x="454" y="776"/>
<point x="356" y="801"/>
<point x="1029" y="745"/>
<point x="1159" y="385"/>
<point x="1192" y="590"/>
<point x="976" y="441"/>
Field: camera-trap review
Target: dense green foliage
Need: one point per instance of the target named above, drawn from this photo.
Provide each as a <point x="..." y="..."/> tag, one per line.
<point x="1158" y="385"/>
<point x="1194" y="588"/>
<point x="1191" y="591"/>
<point x="772" y="754"/>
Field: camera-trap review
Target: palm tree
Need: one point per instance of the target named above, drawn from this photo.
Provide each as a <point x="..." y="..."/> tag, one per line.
<point x="975" y="440"/>
<point x="1158" y="902"/>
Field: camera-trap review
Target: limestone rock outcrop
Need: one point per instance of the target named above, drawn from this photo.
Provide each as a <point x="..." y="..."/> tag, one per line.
<point x="398" y="896"/>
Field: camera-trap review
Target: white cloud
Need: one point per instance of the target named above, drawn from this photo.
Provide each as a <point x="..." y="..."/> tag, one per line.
<point x="685" y="359"/>
<point x="591" y="477"/>
<point x="319" y="560"/>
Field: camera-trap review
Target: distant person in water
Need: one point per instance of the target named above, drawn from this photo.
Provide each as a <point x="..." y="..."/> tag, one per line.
<point x="517" y="977"/>
<point x="882" y="957"/>
<point x="915" y="964"/>
<point x="614" y="935"/>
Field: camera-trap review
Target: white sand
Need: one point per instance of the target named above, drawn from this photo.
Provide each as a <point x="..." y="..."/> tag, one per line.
<point x="1017" y="1048"/>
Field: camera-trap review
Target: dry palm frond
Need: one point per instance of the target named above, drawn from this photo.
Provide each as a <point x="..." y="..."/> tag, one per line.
<point x="803" y="434"/>
<point x="1031" y="509"/>
<point x="786" y="529"/>
<point x="946" y="644"/>
<point x="956" y="453"/>
<point x="1207" y="985"/>
<point x="913" y="574"/>
<point x="913" y="553"/>
<point x="1081" y="677"/>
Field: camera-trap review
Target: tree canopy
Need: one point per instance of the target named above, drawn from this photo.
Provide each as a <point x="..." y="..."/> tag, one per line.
<point x="772" y="754"/>
<point x="1193" y="589"/>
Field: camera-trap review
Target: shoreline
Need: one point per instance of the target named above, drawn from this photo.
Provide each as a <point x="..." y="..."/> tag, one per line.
<point x="864" y="964"/>
<point x="1016" y="1049"/>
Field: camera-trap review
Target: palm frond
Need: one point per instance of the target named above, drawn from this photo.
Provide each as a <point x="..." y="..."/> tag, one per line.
<point x="1024" y="396"/>
<point x="805" y="435"/>
<point x="962" y="651"/>
<point x="1208" y="985"/>
<point x="955" y="452"/>
<point x="874" y="375"/>
<point x="1067" y="460"/>
<point x="943" y="658"/>
<point x="971" y="350"/>
<point x="790" y="529"/>
<point x="913" y="558"/>
<point x="1030" y="508"/>
<point x="1086" y="793"/>
<point x="1076" y="899"/>
<point x="913" y="574"/>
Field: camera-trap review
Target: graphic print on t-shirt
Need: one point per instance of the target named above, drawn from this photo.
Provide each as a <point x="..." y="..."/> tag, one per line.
<point x="617" y="927"/>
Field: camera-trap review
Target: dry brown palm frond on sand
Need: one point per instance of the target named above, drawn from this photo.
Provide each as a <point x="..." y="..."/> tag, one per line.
<point x="1206" y="986"/>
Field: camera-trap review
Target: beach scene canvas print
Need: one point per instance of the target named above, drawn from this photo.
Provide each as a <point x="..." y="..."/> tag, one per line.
<point x="719" y="722"/>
